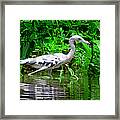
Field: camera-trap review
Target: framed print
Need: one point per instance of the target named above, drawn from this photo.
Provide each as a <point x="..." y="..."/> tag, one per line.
<point x="59" y="59"/>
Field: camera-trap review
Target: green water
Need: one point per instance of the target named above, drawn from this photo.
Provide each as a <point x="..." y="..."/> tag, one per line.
<point x="73" y="83"/>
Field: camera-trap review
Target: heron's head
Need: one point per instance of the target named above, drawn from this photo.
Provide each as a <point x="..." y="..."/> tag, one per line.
<point x="78" y="38"/>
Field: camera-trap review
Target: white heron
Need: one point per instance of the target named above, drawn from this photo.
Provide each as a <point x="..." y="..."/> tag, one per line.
<point x="53" y="61"/>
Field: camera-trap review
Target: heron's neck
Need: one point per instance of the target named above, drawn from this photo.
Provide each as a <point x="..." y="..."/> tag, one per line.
<point x="72" y="51"/>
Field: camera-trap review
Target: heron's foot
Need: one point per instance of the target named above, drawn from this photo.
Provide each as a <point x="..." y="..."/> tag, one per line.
<point x="50" y="76"/>
<point x="45" y="77"/>
<point x="50" y="73"/>
<point x="30" y="74"/>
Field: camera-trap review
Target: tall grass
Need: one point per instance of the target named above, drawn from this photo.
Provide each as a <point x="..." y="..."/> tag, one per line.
<point x="81" y="75"/>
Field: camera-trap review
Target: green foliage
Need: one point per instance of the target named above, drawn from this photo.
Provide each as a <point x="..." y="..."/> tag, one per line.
<point x="38" y="37"/>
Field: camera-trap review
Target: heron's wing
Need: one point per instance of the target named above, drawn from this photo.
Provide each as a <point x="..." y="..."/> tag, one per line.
<point x="45" y="61"/>
<point x="48" y="61"/>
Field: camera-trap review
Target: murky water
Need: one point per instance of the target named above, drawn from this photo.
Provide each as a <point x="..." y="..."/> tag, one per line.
<point x="62" y="85"/>
<point x="42" y="89"/>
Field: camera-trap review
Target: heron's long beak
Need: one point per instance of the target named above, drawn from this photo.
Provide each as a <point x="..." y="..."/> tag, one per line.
<point x="86" y="42"/>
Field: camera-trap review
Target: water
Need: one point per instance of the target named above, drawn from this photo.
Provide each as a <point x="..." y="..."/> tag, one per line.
<point x="62" y="85"/>
<point x="42" y="89"/>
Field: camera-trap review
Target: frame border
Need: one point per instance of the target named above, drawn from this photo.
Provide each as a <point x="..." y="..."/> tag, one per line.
<point x="62" y="2"/>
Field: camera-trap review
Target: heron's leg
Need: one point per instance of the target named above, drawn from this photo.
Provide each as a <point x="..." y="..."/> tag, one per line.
<point x="66" y="65"/>
<point x="37" y="70"/>
<point x="61" y="73"/>
<point x="49" y="72"/>
<point x="34" y="72"/>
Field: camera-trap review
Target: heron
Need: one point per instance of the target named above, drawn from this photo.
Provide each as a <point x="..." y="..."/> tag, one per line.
<point x="52" y="61"/>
